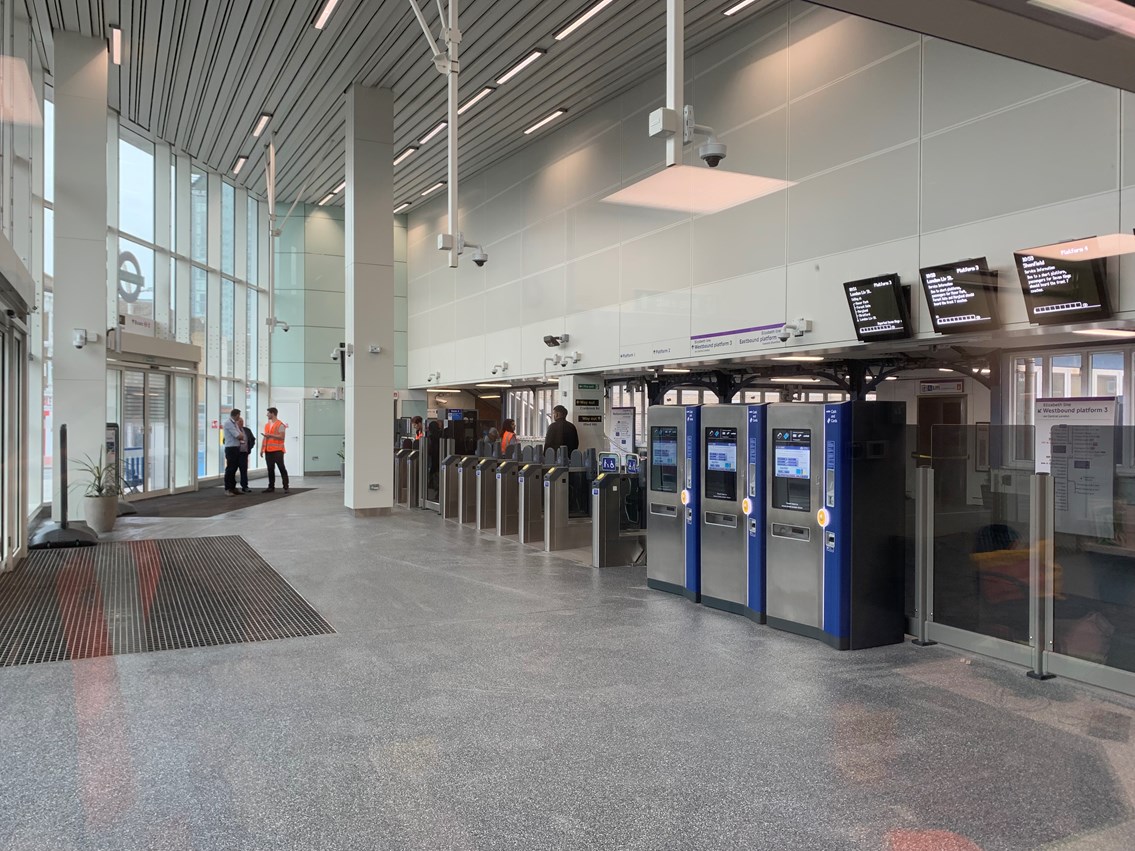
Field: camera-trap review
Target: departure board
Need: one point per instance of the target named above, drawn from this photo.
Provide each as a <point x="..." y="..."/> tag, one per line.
<point x="961" y="296"/>
<point x="880" y="308"/>
<point x="1064" y="290"/>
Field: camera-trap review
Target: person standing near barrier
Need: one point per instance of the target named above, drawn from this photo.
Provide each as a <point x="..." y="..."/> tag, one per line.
<point x="234" y="442"/>
<point x="245" y="451"/>
<point x="272" y="450"/>
<point x="561" y="432"/>
<point x="508" y="434"/>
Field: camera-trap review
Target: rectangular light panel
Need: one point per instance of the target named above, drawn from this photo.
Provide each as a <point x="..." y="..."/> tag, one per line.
<point x="261" y="123"/>
<point x="239" y="164"/>
<point x="328" y="8"/>
<point x="696" y="189"/>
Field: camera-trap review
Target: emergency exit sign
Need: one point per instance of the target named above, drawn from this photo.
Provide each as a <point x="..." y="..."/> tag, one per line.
<point x="939" y="387"/>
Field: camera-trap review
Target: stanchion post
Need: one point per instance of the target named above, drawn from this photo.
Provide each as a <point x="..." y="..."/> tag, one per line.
<point x="923" y="551"/>
<point x="1042" y="498"/>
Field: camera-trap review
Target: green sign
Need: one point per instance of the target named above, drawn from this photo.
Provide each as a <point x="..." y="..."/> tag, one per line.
<point x="587" y="386"/>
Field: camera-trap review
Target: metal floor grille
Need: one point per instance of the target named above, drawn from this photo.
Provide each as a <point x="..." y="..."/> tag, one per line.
<point x="138" y="596"/>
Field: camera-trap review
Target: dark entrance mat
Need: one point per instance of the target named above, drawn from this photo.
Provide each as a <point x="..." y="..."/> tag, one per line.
<point x="208" y="502"/>
<point x="139" y="596"/>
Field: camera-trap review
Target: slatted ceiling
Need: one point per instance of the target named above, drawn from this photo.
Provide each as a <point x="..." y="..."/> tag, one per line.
<point x="198" y="74"/>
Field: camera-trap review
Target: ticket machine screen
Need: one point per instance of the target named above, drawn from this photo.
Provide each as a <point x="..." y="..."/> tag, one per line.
<point x="792" y="469"/>
<point x="663" y="459"/>
<point x="721" y="463"/>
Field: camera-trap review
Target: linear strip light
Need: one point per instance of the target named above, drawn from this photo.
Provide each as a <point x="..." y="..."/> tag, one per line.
<point x="261" y="124"/>
<point x="584" y="18"/>
<point x="438" y="390"/>
<point x="795" y="380"/>
<point x="328" y="8"/>
<point x="1105" y="332"/>
<point x="116" y="45"/>
<point x="491" y="384"/>
<point x="434" y="188"/>
<point x="326" y="199"/>
<point x="239" y="164"/>
<point x="477" y="98"/>
<point x="492" y="396"/>
<point x="433" y="132"/>
<point x="521" y="65"/>
<point x="744" y="4"/>
<point x="405" y="155"/>
<point x="339" y="188"/>
<point x="401" y="207"/>
<point x="544" y="121"/>
<point x="1109" y="14"/>
<point x="800" y="358"/>
<point x="673" y="369"/>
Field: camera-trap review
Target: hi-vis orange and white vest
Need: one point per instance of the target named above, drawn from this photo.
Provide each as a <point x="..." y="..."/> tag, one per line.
<point x="273" y="440"/>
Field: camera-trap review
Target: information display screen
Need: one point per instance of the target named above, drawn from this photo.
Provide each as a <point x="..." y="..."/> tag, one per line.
<point x="663" y="459"/>
<point x="721" y="463"/>
<point x="792" y="469"/>
<point x="1065" y="290"/>
<point x="961" y="296"/>
<point x="880" y="308"/>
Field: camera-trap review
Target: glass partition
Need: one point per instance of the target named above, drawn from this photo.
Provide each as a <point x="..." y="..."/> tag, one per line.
<point x="1093" y="589"/>
<point x="981" y="531"/>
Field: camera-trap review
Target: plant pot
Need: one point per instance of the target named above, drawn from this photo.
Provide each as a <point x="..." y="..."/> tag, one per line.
<point x="100" y="512"/>
<point x="343" y="469"/>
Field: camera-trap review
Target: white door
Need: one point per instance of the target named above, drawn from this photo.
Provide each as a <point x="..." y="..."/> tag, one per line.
<point x="289" y="414"/>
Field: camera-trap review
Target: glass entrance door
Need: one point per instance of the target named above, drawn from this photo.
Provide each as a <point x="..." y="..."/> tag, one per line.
<point x="155" y="409"/>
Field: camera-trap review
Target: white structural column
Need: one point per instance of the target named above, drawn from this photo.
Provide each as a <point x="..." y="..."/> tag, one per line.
<point x="79" y="389"/>
<point x="368" y="486"/>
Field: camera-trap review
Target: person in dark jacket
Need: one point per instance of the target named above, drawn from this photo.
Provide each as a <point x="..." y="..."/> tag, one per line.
<point x="561" y="432"/>
<point x="245" y="449"/>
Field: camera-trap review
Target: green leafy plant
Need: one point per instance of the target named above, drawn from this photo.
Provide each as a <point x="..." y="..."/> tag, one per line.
<point x="102" y="477"/>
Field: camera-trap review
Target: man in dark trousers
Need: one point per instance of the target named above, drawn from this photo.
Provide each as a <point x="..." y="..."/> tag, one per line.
<point x="561" y="432"/>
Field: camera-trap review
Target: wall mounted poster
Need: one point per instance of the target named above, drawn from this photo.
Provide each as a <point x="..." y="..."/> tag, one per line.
<point x="1075" y="442"/>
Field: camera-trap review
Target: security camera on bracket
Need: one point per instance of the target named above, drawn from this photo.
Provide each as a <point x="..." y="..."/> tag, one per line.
<point x="796" y="328"/>
<point x="500" y="367"/>
<point x="449" y="242"/>
<point x="711" y="151"/>
<point x="554" y="340"/>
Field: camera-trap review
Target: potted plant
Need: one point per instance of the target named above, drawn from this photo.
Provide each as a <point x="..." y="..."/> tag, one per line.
<point x="103" y="487"/>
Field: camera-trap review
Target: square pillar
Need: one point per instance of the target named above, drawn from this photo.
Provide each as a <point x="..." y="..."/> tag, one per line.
<point x="368" y="488"/>
<point x="79" y="389"/>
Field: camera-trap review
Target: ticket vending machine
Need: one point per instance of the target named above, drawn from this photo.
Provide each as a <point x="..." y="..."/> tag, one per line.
<point x="732" y="509"/>
<point x="836" y="520"/>
<point x="673" y="479"/>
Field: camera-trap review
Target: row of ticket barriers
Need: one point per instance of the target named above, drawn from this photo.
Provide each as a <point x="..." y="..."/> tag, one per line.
<point x="791" y="514"/>
<point x="552" y="499"/>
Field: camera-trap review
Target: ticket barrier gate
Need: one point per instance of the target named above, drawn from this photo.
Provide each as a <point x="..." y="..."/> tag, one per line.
<point x="486" y="487"/>
<point x="400" y="477"/>
<point x="530" y="502"/>
<point x="447" y="486"/>
<point x="466" y="489"/>
<point x="835" y="483"/>
<point x="673" y="497"/>
<point x="618" y="533"/>
<point x="567" y="514"/>
<point x="413" y="479"/>
<point x="508" y="497"/>
<point x="732" y="509"/>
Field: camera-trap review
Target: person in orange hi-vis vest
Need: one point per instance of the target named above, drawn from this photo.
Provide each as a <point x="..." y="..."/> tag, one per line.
<point x="272" y="450"/>
<point x="508" y="432"/>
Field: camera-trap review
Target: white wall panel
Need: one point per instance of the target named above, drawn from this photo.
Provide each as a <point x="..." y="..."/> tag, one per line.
<point x="594" y="226"/>
<point x="853" y="118"/>
<point x="592" y="281"/>
<point x="595" y="333"/>
<point x="759" y="147"/>
<point x="442" y="359"/>
<point x="544" y="244"/>
<point x="962" y="83"/>
<point x="443" y="327"/>
<point x="469" y="357"/>
<point x="659" y="262"/>
<point x="442" y="287"/>
<point x="865" y="203"/>
<point x="470" y="315"/>
<point x="532" y="348"/>
<point x="542" y="296"/>
<point x="1127" y="137"/>
<point x="828" y="45"/>
<point x="1038" y="153"/>
<point x="745" y="85"/>
<point x="655" y="326"/>
<point x="504" y="305"/>
<point x="593" y="169"/>
<point x="739" y="240"/>
<point x="747" y="301"/>
<point x="503" y="345"/>
<point x="545" y="193"/>
<point x="505" y="260"/>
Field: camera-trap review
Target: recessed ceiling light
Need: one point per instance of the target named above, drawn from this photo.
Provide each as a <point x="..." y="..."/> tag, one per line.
<point x="116" y="45"/>
<point x="673" y="369"/>
<point x="438" y="390"/>
<point x="261" y="124"/>
<point x="328" y="8"/>
<point x="493" y="385"/>
<point x="583" y="19"/>
<point x="521" y="65"/>
<point x="405" y="155"/>
<point x="401" y="207"/>
<point x="433" y="133"/>
<point x="435" y="187"/>
<point x="891" y="378"/>
<point x="795" y="380"/>
<point x="1105" y="332"/>
<point x="800" y="358"/>
<point x="544" y="121"/>
<point x="326" y="199"/>
<point x="339" y="188"/>
<point x="477" y="98"/>
<point x="239" y="164"/>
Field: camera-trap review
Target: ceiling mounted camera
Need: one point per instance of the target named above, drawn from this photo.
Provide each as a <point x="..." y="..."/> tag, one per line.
<point x="553" y="340"/>
<point x="480" y="257"/>
<point x="712" y="152"/>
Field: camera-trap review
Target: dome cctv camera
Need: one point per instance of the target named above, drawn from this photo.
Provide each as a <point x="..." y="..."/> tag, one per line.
<point x="480" y="257"/>
<point x="712" y="152"/>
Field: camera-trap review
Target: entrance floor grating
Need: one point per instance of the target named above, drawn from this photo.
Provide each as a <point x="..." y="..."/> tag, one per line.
<point x="139" y="596"/>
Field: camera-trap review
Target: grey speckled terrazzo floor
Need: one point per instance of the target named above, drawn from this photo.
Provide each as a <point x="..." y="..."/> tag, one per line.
<point x="479" y="694"/>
